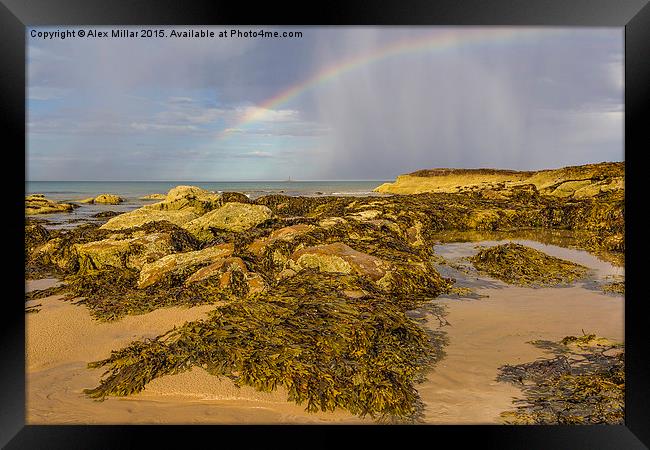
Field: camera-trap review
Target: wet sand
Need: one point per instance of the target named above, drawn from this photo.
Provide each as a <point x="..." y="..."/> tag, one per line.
<point x="484" y="334"/>
<point x="62" y="338"/>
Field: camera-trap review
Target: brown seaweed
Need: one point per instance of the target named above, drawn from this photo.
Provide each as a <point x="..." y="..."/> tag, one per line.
<point x="583" y="383"/>
<point x="518" y="264"/>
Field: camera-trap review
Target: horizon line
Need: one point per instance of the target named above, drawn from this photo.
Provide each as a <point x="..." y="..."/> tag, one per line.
<point x="203" y="181"/>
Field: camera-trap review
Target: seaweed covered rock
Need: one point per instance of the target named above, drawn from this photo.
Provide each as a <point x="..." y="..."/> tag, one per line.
<point x="182" y="264"/>
<point x="232" y="273"/>
<point x="583" y="383"/>
<point x="232" y="216"/>
<point x="35" y="235"/>
<point x="518" y="264"/>
<point x="58" y="255"/>
<point x="237" y="197"/>
<point x="38" y="204"/>
<point x="328" y="350"/>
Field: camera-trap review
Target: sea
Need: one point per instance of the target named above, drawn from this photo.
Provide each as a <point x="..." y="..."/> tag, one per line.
<point x="133" y="191"/>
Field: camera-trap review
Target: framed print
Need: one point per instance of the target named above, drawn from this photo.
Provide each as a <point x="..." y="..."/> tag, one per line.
<point x="395" y="219"/>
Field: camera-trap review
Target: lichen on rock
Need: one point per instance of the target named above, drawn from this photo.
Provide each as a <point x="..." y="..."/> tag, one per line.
<point x="232" y="216"/>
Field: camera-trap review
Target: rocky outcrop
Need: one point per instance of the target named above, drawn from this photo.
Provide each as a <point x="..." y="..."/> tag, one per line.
<point x="38" y="204"/>
<point x="181" y="205"/>
<point x="185" y="263"/>
<point x="188" y="198"/>
<point x="232" y="216"/>
<point x="568" y="182"/>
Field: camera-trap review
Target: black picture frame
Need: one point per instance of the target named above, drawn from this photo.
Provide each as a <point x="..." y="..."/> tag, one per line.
<point x="16" y="15"/>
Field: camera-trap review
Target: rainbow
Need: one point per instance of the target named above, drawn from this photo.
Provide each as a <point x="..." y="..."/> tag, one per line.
<point x="439" y="41"/>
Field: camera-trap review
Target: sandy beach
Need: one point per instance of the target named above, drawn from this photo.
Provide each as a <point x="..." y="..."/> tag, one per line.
<point x="484" y="334"/>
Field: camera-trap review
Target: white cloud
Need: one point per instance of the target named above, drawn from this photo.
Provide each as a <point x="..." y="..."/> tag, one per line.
<point x="161" y="127"/>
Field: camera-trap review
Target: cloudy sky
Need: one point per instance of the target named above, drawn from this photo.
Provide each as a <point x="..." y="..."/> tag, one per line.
<point x="365" y="103"/>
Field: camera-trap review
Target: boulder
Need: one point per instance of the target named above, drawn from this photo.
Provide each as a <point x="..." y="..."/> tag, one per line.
<point x="38" y="204"/>
<point x="108" y="199"/>
<point x="232" y="216"/>
<point x="188" y="198"/>
<point x="131" y="253"/>
<point x="339" y="258"/>
<point x="155" y="271"/>
<point x="105" y="199"/>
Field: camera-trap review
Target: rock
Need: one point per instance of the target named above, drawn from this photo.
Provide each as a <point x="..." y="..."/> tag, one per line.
<point x="181" y="205"/>
<point x="108" y="199"/>
<point x="233" y="216"/>
<point x="258" y="246"/>
<point x="190" y="198"/>
<point x="142" y="215"/>
<point x="153" y="272"/>
<point x="223" y="269"/>
<point x="105" y="199"/>
<point x="131" y="253"/>
<point x="38" y="204"/>
<point x="340" y="258"/>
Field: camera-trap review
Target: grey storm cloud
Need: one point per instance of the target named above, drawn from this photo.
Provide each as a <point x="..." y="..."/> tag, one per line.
<point x="95" y="106"/>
